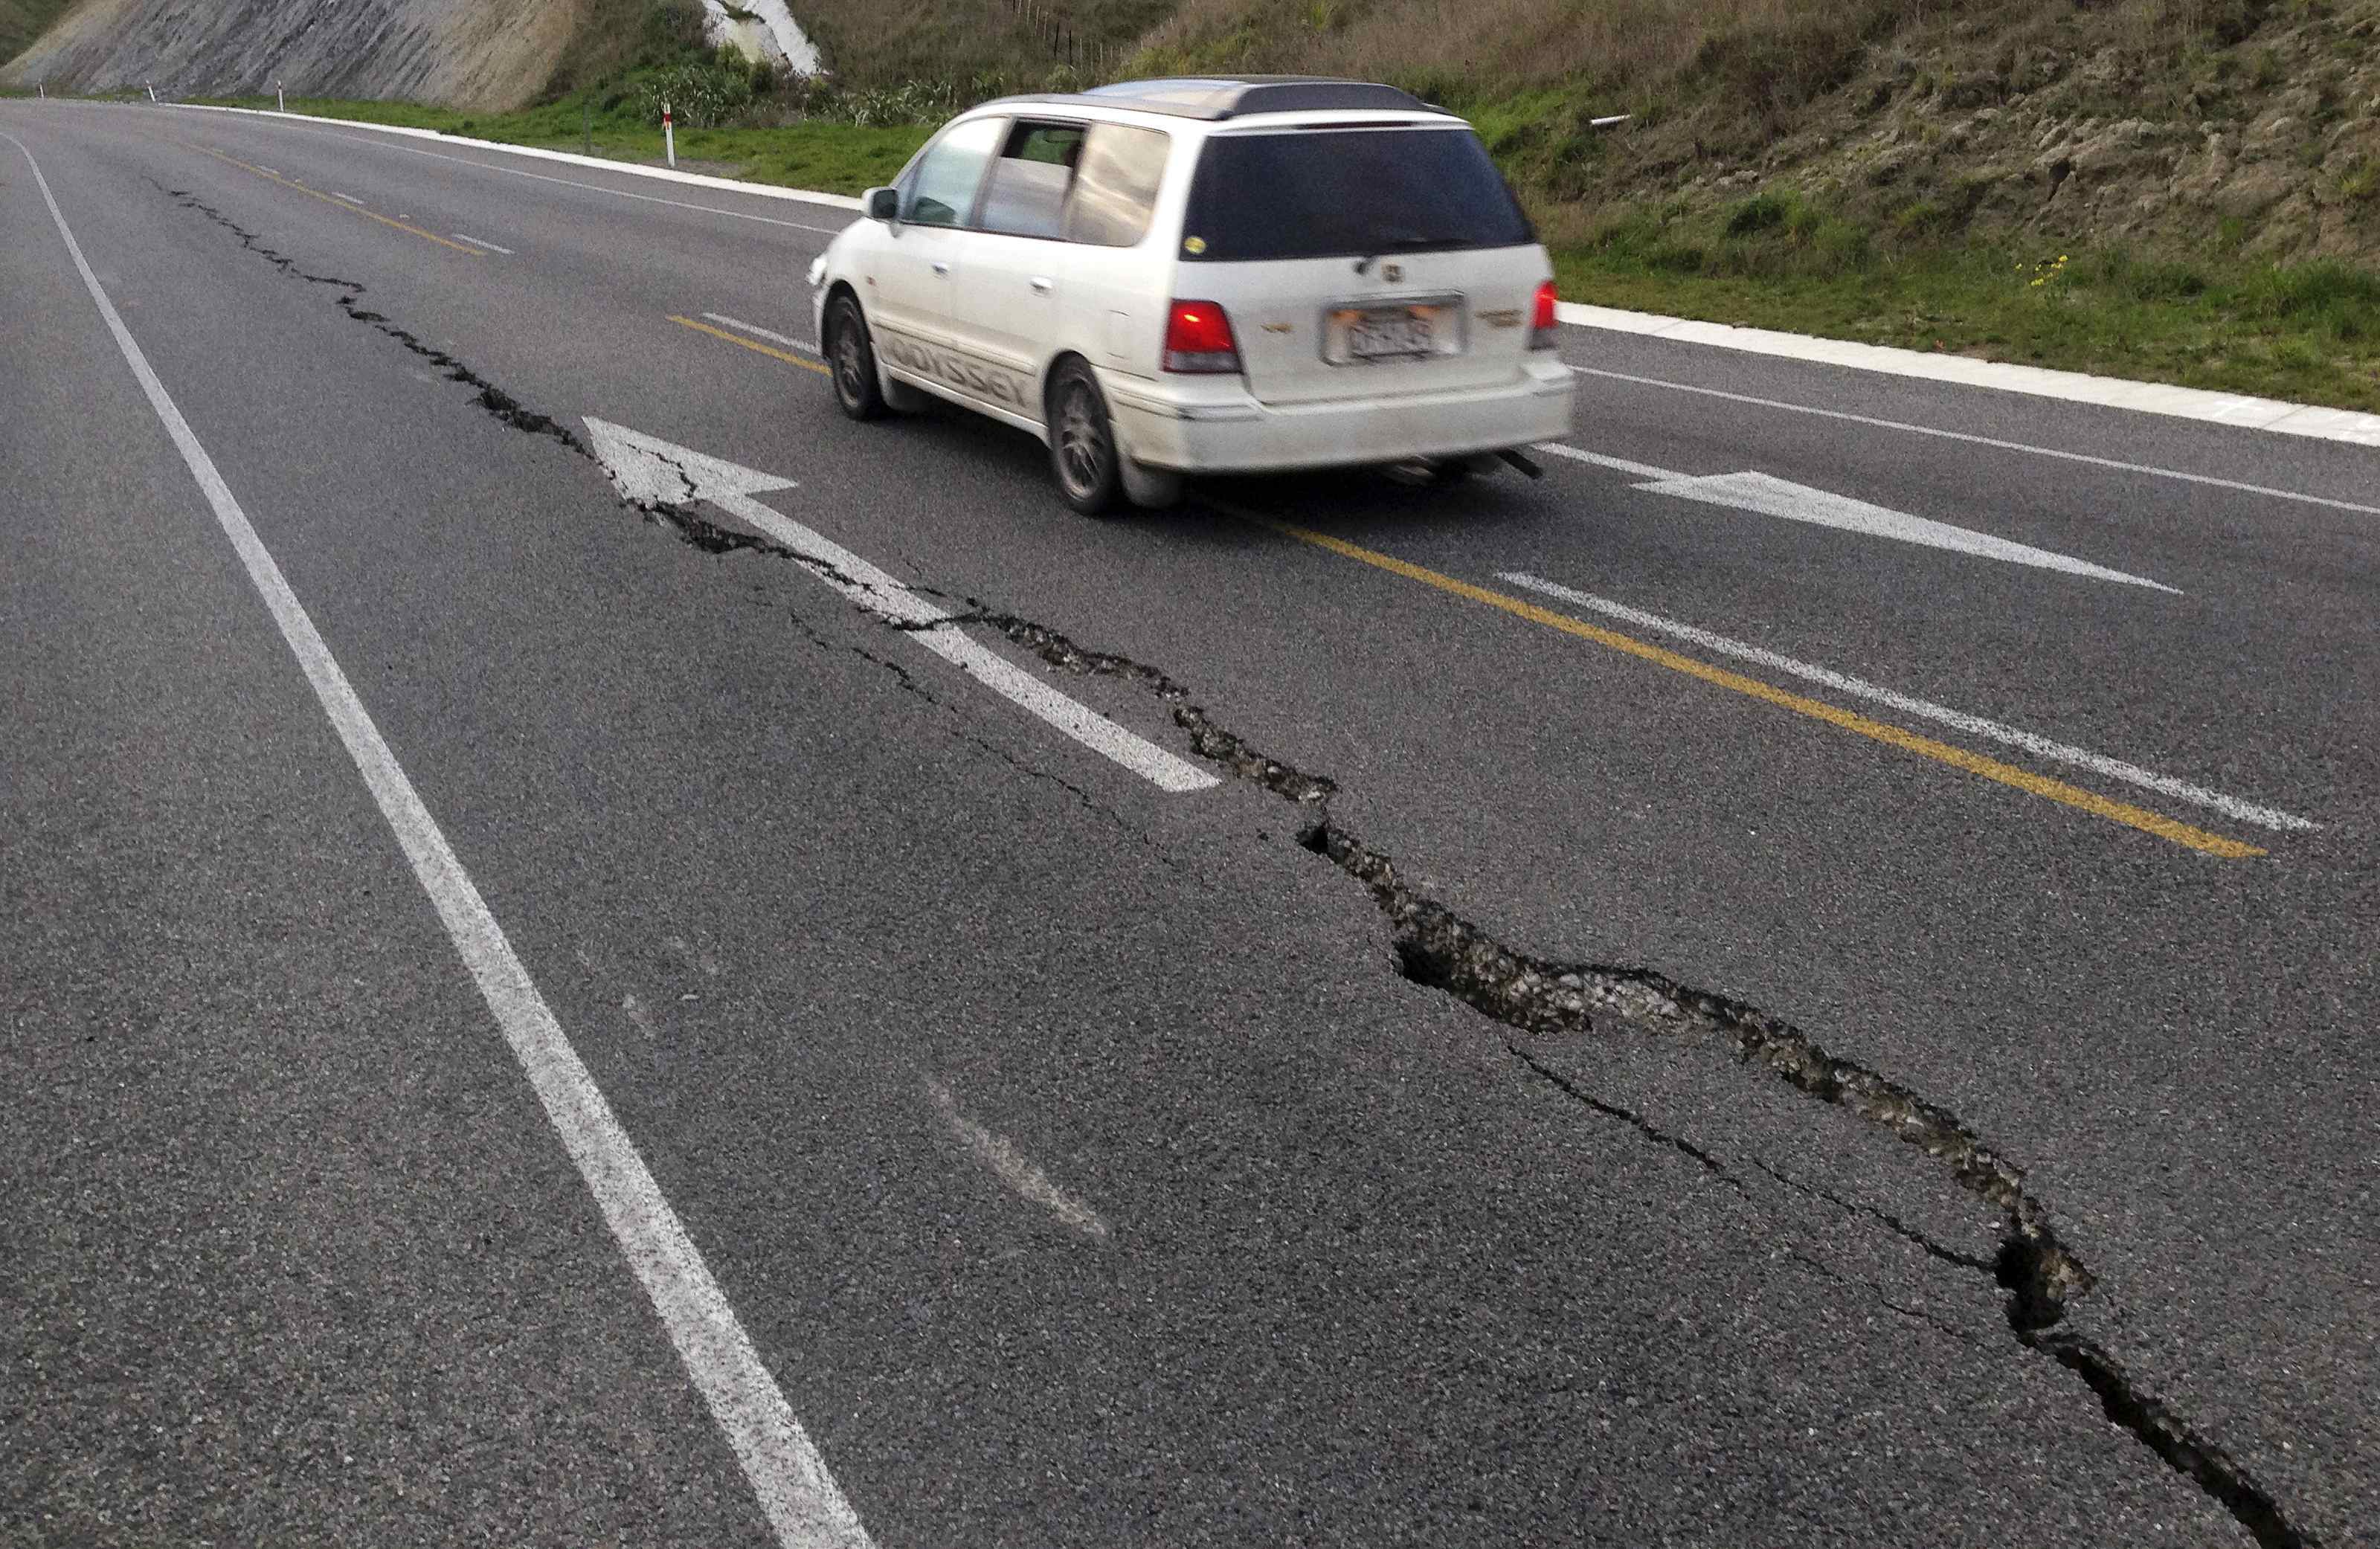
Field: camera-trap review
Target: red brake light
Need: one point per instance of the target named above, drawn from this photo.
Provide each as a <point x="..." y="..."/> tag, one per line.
<point x="1198" y="338"/>
<point x="1541" y="326"/>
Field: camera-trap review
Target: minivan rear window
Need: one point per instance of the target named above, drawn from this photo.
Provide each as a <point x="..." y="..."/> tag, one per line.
<point x="1342" y="193"/>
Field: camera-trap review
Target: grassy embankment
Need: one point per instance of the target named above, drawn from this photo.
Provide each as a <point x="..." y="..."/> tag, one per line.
<point x="1864" y="169"/>
<point x="23" y="20"/>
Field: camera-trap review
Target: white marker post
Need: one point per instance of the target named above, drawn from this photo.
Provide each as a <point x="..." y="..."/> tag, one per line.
<point x="669" y="135"/>
<point x="153" y="90"/>
<point x="280" y="102"/>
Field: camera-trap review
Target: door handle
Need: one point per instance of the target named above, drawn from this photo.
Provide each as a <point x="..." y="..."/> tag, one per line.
<point x="1043" y="283"/>
<point x="940" y="268"/>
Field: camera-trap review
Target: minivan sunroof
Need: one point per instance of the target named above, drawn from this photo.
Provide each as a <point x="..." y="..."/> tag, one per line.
<point x="1217" y="98"/>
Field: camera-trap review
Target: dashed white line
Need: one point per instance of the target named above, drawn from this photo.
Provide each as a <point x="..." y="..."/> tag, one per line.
<point x="350" y="198"/>
<point x="1004" y="1161"/>
<point x="2041" y="746"/>
<point x="479" y="242"/>
<point x="803" y="1502"/>
<point x="759" y="332"/>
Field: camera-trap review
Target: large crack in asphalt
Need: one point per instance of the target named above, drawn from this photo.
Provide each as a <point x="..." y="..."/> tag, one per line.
<point x="1436" y="947"/>
<point x="2042" y="1276"/>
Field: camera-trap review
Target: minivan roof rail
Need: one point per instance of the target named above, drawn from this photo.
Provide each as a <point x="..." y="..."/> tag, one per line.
<point x="1211" y="97"/>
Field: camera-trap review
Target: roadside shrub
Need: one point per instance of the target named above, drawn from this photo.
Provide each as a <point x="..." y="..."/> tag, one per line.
<point x="701" y="96"/>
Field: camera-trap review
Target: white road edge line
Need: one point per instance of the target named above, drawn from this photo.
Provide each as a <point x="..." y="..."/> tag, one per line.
<point x="2121" y="466"/>
<point x="2275" y="414"/>
<point x="759" y="332"/>
<point x="481" y="242"/>
<point x="2140" y="397"/>
<point x="834" y="201"/>
<point x="2098" y="763"/>
<point x="799" y="1497"/>
<point x="1020" y="1172"/>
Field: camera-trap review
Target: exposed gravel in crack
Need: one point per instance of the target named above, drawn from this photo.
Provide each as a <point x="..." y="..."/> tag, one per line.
<point x="1435" y="947"/>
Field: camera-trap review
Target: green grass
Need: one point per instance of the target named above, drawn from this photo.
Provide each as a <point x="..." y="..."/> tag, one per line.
<point x="832" y="158"/>
<point x="2305" y="332"/>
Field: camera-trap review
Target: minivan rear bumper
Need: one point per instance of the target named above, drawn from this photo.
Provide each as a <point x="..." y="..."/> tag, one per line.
<point x="1212" y="425"/>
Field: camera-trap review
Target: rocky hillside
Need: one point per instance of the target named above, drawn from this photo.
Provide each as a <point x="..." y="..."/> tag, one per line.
<point x="468" y="53"/>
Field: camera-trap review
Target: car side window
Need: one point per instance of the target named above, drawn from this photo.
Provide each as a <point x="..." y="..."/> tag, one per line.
<point x="942" y="191"/>
<point x="1115" y="186"/>
<point x="1027" y="194"/>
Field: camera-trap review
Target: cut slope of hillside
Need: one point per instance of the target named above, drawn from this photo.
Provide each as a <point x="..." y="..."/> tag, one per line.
<point x="468" y="52"/>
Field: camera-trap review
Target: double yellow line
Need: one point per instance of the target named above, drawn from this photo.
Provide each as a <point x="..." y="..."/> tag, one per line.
<point x="339" y="203"/>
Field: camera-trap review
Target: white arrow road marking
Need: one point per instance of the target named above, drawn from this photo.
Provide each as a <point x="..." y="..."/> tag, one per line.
<point x="2099" y="763"/>
<point x="646" y="468"/>
<point x="800" y="1499"/>
<point x="1767" y="496"/>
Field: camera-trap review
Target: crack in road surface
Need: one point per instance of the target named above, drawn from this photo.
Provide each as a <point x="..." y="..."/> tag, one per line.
<point x="1438" y="948"/>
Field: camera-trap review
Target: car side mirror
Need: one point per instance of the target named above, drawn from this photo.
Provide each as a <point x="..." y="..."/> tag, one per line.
<point x="884" y="204"/>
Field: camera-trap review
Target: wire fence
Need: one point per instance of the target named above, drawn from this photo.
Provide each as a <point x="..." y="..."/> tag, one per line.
<point x="1096" y="58"/>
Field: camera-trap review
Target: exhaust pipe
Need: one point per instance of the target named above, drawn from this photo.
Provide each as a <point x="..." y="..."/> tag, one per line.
<point x="1522" y="461"/>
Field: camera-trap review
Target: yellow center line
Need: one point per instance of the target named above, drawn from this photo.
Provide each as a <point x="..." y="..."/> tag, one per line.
<point x="338" y="203"/>
<point x="1850" y="720"/>
<point x="748" y="344"/>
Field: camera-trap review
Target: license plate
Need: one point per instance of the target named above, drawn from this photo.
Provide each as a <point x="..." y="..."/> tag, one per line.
<point x="1404" y="332"/>
<point x="1390" y="333"/>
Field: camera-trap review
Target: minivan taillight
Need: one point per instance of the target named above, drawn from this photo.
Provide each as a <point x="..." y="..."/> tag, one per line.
<point x="1541" y="326"/>
<point x="1198" y="338"/>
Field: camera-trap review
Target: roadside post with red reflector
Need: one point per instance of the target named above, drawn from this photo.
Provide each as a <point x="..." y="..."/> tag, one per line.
<point x="669" y="135"/>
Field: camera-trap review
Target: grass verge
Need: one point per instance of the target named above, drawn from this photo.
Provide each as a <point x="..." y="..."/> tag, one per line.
<point x="2307" y="332"/>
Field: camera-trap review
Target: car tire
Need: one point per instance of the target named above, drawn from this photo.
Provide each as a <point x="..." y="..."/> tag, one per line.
<point x="851" y="359"/>
<point x="1083" y="453"/>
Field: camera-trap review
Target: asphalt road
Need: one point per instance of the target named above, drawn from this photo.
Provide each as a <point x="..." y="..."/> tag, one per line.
<point x="1090" y="1162"/>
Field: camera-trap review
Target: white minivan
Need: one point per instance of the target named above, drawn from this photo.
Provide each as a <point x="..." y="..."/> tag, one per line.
<point x="1165" y="277"/>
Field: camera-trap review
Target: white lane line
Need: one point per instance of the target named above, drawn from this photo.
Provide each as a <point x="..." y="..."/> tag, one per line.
<point x="2116" y="464"/>
<point x="481" y="242"/>
<point x="647" y="468"/>
<point x="268" y="170"/>
<point x="1640" y="470"/>
<point x="799" y="1497"/>
<point x="1004" y="1161"/>
<point x="2098" y="763"/>
<point x="350" y="198"/>
<point x="759" y="332"/>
